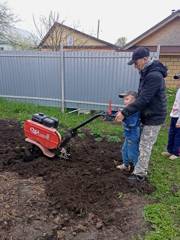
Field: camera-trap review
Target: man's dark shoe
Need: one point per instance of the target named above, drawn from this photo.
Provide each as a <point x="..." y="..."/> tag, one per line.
<point x="137" y="178"/>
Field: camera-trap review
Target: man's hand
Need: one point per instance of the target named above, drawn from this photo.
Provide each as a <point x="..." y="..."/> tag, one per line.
<point x="177" y="125"/>
<point x="119" y="117"/>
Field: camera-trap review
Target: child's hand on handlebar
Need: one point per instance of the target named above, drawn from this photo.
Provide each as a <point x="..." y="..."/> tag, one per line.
<point x="119" y="110"/>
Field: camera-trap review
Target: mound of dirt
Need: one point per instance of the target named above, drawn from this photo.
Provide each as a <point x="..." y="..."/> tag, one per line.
<point x="85" y="197"/>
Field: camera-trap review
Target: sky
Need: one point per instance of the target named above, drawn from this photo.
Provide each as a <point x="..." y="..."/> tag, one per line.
<point x="117" y="18"/>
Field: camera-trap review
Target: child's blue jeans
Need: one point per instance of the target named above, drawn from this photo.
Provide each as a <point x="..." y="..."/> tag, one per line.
<point x="130" y="152"/>
<point x="174" y="138"/>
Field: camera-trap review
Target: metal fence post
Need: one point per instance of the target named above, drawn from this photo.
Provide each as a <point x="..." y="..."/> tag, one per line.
<point x="62" y="77"/>
<point x="158" y="51"/>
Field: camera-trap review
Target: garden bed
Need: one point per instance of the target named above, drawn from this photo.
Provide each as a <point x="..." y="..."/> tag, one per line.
<point x="85" y="197"/>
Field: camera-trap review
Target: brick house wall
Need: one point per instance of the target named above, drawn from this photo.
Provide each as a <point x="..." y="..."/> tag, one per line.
<point x="165" y="34"/>
<point x="173" y="64"/>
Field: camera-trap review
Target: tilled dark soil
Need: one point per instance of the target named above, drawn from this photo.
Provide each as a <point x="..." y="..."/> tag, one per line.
<point x="85" y="197"/>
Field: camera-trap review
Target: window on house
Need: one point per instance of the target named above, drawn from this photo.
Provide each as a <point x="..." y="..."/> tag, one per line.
<point x="69" y="40"/>
<point x="1" y="48"/>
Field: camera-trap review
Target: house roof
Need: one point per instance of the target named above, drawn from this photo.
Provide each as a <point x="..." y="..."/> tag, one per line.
<point x="151" y="30"/>
<point x="6" y="38"/>
<point x="109" y="45"/>
<point x="22" y="32"/>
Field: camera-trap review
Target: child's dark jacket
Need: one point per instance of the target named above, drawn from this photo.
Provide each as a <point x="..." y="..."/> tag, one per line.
<point x="132" y="130"/>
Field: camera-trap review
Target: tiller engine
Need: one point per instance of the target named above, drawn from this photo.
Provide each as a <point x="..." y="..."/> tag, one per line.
<point x="42" y="132"/>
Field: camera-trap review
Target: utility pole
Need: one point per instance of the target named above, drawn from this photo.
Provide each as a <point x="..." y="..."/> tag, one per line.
<point x="62" y="77"/>
<point x="98" y="29"/>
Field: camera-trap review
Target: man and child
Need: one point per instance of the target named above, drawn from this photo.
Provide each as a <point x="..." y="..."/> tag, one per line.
<point x="132" y="131"/>
<point x="152" y="104"/>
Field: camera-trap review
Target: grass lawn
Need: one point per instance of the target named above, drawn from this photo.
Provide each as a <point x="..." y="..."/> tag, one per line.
<point x="163" y="173"/>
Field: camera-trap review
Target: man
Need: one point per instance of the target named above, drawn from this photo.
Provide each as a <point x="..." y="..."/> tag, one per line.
<point x="152" y="102"/>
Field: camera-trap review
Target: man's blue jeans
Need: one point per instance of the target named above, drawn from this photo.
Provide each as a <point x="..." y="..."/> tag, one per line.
<point x="130" y="152"/>
<point x="174" y="138"/>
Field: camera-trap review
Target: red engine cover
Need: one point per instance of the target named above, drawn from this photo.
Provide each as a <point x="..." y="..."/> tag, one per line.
<point x="48" y="137"/>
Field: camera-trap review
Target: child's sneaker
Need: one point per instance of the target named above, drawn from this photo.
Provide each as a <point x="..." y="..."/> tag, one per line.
<point x="172" y="157"/>
<point x="166" y="154"/>
<point x="124" y="167"/>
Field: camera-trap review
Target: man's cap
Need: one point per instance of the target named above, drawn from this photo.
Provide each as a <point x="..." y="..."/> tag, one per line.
<point x="129" y="92"/>
<point x="177" y="76"/>
<point x="138" y="53"/>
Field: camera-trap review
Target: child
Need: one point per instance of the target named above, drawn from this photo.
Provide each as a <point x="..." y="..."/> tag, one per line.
<point x="173" y="147"/>
<point x="132" y="132"/>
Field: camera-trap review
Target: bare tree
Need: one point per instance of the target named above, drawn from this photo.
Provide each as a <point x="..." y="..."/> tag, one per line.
<point x="10" y="34"/>
<point x="51" y="31"/>
<point x="7" y="20"/>
<point x="121" y="41"/>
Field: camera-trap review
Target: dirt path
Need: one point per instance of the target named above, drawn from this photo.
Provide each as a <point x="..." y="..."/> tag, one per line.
<point x="83" y="198"/>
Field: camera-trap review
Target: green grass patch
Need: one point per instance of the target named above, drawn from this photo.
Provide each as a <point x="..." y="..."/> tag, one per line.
<point x="113" y="138"/>
<point x="24" y="111"/>
<point x="98" y="139"/>
<point x="162" y="221"/>
<point x="97" y="133"/>
<point x="82" y="135"/>
<point x="62" y="131"/>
